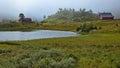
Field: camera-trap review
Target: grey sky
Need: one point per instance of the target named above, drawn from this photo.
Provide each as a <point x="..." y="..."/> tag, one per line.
<point x="37" y="8"/>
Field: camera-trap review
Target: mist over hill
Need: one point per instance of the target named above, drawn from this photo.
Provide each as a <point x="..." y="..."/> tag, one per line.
<point x="36" y="9"/>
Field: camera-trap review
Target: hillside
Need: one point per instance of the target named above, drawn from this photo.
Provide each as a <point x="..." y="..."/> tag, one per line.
<point x="73" y="15"/>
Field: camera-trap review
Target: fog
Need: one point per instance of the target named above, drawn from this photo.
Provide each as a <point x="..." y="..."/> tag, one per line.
<point x="36" y="9"/>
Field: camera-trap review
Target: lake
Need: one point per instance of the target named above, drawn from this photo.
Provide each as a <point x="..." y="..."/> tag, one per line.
<point x="39" y="34"/>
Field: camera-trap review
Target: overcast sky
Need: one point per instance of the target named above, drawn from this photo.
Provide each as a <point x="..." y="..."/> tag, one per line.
<point x="38" y="8"/>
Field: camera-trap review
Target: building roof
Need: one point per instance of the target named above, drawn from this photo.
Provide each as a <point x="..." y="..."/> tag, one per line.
<point x="106" y="14"/>
<point x="27" y="19"/>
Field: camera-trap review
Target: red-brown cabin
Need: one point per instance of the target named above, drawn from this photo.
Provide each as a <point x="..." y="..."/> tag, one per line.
<point x="27" y="20"/>
<point x="106" y="16"/>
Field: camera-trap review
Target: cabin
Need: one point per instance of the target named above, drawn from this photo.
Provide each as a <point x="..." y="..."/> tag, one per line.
<point x="106" y="16"/>
<point x="27" y="20"/>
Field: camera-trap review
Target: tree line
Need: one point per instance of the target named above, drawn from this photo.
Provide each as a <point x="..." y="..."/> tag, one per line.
<point x="80" y="15"/>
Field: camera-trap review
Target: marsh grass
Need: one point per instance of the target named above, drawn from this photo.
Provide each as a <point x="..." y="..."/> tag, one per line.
<point x="41" y="59"/>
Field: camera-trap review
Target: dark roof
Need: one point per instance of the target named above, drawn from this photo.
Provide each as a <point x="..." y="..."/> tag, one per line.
<point x="27" y="19"/>
<point x="106" y="14"/>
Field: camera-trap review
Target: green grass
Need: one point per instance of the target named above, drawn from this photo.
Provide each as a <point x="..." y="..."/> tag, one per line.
<point x="37" y="26"/>
<point x="98" y="49"/>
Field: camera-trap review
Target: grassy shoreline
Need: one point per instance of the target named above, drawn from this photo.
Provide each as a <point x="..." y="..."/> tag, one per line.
<point x="37" y="26"/>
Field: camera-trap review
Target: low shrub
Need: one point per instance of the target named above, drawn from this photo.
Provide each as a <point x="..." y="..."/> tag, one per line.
<point x="45" y="59"/>
<point x="86" y="27"/>
<point x="5" y="51"/>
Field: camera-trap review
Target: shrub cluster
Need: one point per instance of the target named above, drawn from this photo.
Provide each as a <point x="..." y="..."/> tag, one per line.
<point x="45" y="59"/>
<point x="5" y="51"/>
<point x="86" y="27"/>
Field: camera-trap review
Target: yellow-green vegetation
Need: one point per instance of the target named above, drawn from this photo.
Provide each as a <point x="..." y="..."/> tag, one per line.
<point x="17" y="26"/>
<point x="112" y="26"/>
<point x="105" y="26"/>
<point x="98" y="49"/>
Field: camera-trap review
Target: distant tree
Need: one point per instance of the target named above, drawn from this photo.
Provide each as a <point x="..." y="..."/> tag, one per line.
<point x="73" y="10"/>
<point x="80" y="9"/>
<point x="84" y="10"/>
<point x="90" y="11"/>
<point x="60" y="9"/>
<point x="70" y="9"/>
<point x="65" y="9"/>
<point x="21" y="16"/>
<point x="44" y="17"/>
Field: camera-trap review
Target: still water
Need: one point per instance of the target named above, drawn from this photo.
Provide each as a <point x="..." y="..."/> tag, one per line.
<point x="39" y="34"/>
